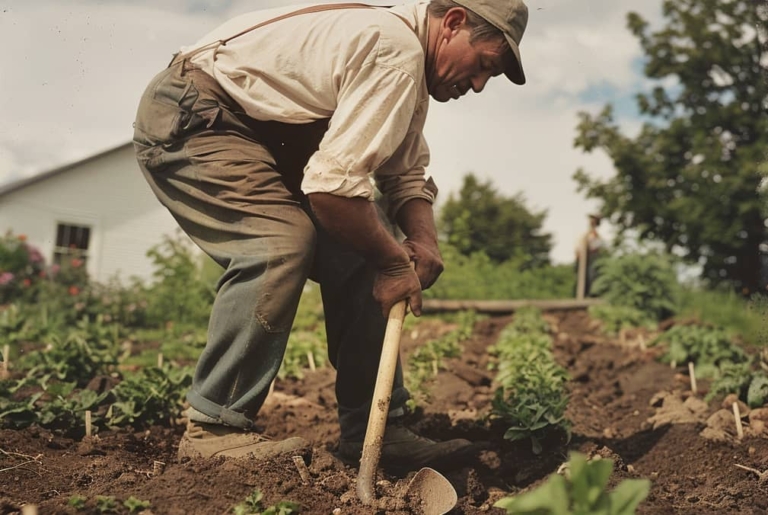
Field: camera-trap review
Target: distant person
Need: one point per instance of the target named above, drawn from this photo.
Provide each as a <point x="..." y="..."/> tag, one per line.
<point x="261" y="140"/>
<point x="589" y="247"/>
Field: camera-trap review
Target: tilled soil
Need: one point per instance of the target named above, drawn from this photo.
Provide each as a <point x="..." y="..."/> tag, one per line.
<point x="615" y="408"/>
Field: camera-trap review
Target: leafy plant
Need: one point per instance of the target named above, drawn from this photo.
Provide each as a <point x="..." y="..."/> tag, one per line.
<point x="77" y="502"/>
<point x="644" y="282"/>
<point x="581" y="492"/>
<point x="151" y="396"/>
<point x="757" y="394"/>
<point x="531" y="396"/>
<point x="90" y="349"/>
<point x="426" y="361"/>
<point x="106" y="504"/>
<point x="615" y="318"/>
<point x="708" y="347"/>
<point x="135" y="505"/>
<point x="252" y="506"/>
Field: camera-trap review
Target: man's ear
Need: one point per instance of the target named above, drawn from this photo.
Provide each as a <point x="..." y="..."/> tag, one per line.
<point x="453" y="21"/>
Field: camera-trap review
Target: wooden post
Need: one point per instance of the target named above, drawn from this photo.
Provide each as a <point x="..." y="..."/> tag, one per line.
<point x="88" y="429"/>
<point x="311" y="360"/>
<point x="737" y="416"/>
<point x="29" y="509"/>
<point x="581" y="280"/>
<point x="159" y="360"/>
<point x="692" y="374"/>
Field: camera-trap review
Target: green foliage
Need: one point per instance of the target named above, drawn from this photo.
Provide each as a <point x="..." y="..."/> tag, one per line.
<point x="581" y="492"/>
<point x="478" y="277"/>
<point x="106" y="504"/>
<point x="646" y="283"/>
<point x="178" y="295"/>
<point x="531" y="396"/>
<point x="732" y="378"/>
<point x="21" y="267"/>
<point x="252" y="506"/>
<point x="427" y="360"/>
<point x="708" y="347"/>
<point x="615" y="318"/>
<point x="151" y="396"/>
<point x="135" y="505"/>
<point x="87" y="350"/>
<point x="727" y="309"/>
<point x="691" y="179"/>
<point x="757" y="394"/>
<point x="77" y="502"/>
<point x="482" y="220"/>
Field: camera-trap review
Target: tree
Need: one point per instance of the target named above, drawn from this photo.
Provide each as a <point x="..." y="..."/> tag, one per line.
<point x="694" y="176"/>
<point x="481" y="219"/>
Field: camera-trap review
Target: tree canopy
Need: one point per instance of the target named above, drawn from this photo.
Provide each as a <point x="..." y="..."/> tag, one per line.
<point x="694" y="177"/>
<point x="481" y="219"/>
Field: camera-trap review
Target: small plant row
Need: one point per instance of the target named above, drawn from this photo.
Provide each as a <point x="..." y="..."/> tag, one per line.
<point x="581" y="490"/>
<point x="641" y="290"/>
<point x="108" y="504"/>
<point x="428" y="359"/>
<point x="531" y="395"/>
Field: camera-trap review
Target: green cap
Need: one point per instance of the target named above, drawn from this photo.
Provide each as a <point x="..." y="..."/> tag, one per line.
<point x="511" y="18"/>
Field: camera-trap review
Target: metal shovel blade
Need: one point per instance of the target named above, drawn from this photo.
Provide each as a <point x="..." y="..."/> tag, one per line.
<point x="434" y="493"/>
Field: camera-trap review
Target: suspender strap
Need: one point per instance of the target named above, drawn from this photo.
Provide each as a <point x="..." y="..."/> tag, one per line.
<point x="306" y="10"/>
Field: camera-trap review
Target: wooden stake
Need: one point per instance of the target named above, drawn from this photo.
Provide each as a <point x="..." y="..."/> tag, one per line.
<point x="29" y="509"/>
<point x="737" y="416"/>
<point x="311" y="360"/>
<point x="692" y="374"/>
<point x="302" y="468"/>
<point x="6" y="356"/>
<point x="272" y="386"/>
<point x="159" y="360"/>
<point x="673" y="364"/>
<point x="88" y="427"/>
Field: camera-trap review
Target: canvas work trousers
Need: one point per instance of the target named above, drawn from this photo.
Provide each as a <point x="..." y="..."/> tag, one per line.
<point x="233" y="185"/>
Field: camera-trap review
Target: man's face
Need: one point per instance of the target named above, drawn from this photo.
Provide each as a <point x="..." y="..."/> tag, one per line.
<point x="459" y="65"/>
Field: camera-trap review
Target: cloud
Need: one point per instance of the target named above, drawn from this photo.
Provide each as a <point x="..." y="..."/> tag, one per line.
<point x="75" y="71"/>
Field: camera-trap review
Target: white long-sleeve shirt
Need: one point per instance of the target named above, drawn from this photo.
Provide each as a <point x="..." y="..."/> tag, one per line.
<point x="362" y="68"/>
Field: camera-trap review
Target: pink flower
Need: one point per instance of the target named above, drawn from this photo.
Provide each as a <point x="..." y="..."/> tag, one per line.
<point x="34" y="254"/>
<point x="6" y="277"/>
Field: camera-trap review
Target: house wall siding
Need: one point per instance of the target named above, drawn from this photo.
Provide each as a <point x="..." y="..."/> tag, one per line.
<point x="107" y="193"/>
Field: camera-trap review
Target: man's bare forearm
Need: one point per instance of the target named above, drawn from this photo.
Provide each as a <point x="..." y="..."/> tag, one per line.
<point x="355" y="223"/>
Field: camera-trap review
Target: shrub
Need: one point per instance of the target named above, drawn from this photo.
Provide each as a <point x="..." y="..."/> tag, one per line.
<point x="644" y="282"/>
<point x="21" y="268"/>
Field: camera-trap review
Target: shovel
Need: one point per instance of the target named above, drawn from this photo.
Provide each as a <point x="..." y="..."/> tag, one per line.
<point x="433" y="491"/>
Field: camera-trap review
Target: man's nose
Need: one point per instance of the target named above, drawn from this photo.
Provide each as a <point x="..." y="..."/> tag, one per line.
<point x="479" y="81"/>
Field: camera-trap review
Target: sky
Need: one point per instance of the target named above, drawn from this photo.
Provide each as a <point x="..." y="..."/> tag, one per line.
<point x="74" y="70"/>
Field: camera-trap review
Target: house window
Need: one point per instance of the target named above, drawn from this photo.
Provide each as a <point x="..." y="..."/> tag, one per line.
<point x="71" y="242"/>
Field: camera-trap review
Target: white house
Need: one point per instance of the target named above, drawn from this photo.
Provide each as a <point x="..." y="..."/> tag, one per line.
<point x="101" y="205"/>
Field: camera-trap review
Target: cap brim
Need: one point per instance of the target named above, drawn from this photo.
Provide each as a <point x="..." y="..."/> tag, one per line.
<point x="514" y="70"/>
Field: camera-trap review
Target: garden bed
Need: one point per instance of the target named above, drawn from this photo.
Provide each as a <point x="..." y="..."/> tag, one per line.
<point x="613" y="402"/>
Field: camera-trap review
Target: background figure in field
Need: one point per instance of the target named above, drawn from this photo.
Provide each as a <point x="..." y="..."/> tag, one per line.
<point x="588" y="250"/>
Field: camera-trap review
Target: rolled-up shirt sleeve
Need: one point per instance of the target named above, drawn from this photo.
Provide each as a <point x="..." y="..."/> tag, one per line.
<point x="372" y="119"/>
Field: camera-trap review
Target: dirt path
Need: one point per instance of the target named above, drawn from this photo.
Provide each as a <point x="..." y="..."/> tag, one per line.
<point x="612" y="391"/>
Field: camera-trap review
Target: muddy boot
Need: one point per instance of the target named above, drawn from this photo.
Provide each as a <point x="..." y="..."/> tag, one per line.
<point x="202" y="440"/>
<point x="403" y="450"/>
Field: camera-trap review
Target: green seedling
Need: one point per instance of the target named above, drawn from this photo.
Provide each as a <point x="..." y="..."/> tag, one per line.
<point x="582" y="491"/>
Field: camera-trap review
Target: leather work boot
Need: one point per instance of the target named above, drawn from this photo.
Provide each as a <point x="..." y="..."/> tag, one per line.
<point x="404" y="450"/>
<point x="202" y="440"/>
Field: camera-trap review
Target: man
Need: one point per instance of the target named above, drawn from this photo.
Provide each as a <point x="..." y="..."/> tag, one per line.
<point x="261" y="140"/>
<point x="589" y="249"/>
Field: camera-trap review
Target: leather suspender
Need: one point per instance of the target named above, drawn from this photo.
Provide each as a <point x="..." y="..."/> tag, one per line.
<point x="306" y="10"/>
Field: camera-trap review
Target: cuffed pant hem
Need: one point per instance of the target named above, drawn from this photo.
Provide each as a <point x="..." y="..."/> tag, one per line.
<point x="223" y="415"/>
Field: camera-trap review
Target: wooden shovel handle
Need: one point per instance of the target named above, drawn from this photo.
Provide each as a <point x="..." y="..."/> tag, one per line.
<point x="382" y="393"/>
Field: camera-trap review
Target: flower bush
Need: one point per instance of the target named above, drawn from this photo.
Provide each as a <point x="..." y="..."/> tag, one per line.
<point x="21" y="267"/>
